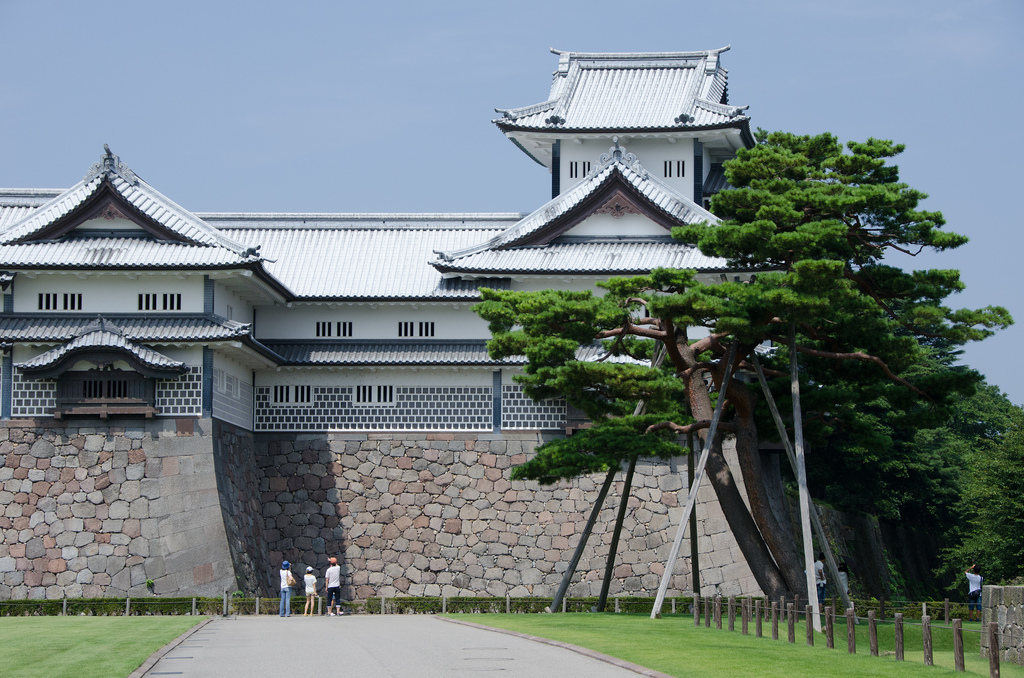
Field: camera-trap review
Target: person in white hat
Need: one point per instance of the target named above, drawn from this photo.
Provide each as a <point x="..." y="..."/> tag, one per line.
<point x="310" y="581"/>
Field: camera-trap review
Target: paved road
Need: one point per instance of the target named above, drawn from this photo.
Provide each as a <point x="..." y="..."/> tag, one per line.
<point x="368" y="646"/>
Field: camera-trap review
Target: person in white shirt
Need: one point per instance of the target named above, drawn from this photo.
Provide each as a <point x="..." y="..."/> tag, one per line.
<point x="819" y="579"/>
<point x="287" y="581"/>
<point x="974" y="580"/>
<point x="332" y="582"/>
<point x="310" y="581"/>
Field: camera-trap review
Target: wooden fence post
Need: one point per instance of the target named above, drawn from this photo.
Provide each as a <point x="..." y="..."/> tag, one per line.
<point x="830" y="627"/>
<point x="732" y="613"/>
<point x="873" y="633"/>
<point x="257" y="606"/>
<point x="193" y="607"/>
<point x="945" y="609"/>
<point x="958" y="645"/>
<point x="444" y="604"/>
<point x="898" y="635"/>
<point x="881" y="609"/>
<point x="508" y="604"/>
<point x="851" y="633"/>
<point x="617" y="609"/>
<point x="745" y="615"/>
<point x="926" y="639"/>
<point x="564" y="604"/>
<point x="791" y="622"/>
<point x="382" y="599"/>
<point x="718" y="612"/>
<point x="696" y="610"/>
<point x="775" y="621"/>
<point x="673" y="606"/>
<point x="707" y="612"/>
<point x="808" y="615"/>
<point x="758" y="623"/>
<point x="127" y="606"/>
<point x="993" y="649"/>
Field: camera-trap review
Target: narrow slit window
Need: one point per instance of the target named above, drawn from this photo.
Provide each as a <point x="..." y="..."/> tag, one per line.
<point x="426" y="329"/>
<point x="282" y="394"/>
<point x="674" y="168"/>
<point x="303" y="394"/>
<point x="364" y="394"/>
<point x="406" y="329"/>
<point x="323" y="328"/>
<point x="172" y="302"/>
<point x="345" y="328"/>
<point x="385" y="394"/>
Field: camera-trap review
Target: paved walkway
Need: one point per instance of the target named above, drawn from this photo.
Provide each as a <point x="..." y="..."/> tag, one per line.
<point x="370" y="646"/>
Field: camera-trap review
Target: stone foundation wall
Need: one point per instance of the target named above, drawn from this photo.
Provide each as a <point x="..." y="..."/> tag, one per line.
<point x="1004" y="605"/>
<point x="436" y="514"/>
<point x="92" y="512"/>
<point x="234" y="457"/>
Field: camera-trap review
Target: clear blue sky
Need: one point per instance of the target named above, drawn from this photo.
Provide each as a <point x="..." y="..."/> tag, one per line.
<point x="386" y="107"/>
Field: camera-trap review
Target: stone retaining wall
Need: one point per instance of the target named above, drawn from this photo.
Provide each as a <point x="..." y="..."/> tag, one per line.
<point x="436" y="514"/>
<point x="1004" y="605"/>
<point x="91" y="512"/>
<point x="200" y="507"/>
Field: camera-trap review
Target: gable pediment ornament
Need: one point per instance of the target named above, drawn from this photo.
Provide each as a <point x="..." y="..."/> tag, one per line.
<point x="618" y="206"/>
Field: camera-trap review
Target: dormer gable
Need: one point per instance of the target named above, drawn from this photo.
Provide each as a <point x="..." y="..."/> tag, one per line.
<point x="111" y="192"/>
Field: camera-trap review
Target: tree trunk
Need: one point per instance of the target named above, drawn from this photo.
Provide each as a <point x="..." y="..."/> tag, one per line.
<point x="777" y="535"/>
<point x="743" y="526"/>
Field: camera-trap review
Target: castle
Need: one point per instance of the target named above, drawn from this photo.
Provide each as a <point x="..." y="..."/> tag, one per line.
<point x="189" y="398"/>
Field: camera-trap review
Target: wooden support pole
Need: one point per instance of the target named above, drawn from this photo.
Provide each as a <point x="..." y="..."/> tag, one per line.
<point x="508" y="604"/>
<point x="193" y="607"/>
<point x="588" y="528"/>
<point x="830" y="628"/>
<point x="945" y="610"/>
<point x="696" y="610"/>
<point x="64" y="607"/>
<point x="851" y="633"/>
<point x="873" y="633"/>
<point x="691" y="498"/>
<point x="258" y="606"/>
<point x="732" y="613"/>
<point x="881" y="608"/>
<point x="444" y="604"/>
<point x="926" y="639"/>
<point x="617" y="608"/>
<point x="613" y="548"/>
<point x="758" y="619"/>
<point x="958" y="645"/>
<point x="745" y="615"/>
<point x="673" y="606"/>
<point x="707" y="612"/>
<point x="775" y="621"/>
<point x="898" y="635"/>
<point x="718" y="612"/>
<point x="808" y="613"/>
<point x="791" y="622"/>
<point x="993" y="649"/>
<point x="128" y="605"/>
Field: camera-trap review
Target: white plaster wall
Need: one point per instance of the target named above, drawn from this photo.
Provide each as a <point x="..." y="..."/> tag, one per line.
<point x="628" y="224"/>
<point x="224" y="297"/>
<point x="109" y="292"/>
<point x="370" y="321"/>
<point x="232" y="392"/>
<point x="650" y="152"/>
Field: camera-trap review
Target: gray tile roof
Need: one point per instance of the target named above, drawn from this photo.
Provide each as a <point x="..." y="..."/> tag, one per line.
<point x="113" y="253"/>
<point x="631" y="91"/>
<point x="184" y="327"/>
<point x="715" y="180"/>
<point x="102" y="335"/>
<point x="361" y="258"/>
<point x="393" y="353"/>
<point x="398" y="353"/>
<point x="584" y="256"/>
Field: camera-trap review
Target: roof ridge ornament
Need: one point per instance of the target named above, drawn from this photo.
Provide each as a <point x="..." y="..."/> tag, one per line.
<point x="111" y="165"/>
<point x="101" y="324"/>
<point x="619" y="154"/>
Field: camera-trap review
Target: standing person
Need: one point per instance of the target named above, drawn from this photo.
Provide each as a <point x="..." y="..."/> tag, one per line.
<point x="287" y="582"/>
<point x="332" y="582"/>
<point x="844" y="578"/>
<point x="819" y="579"/>
<point x="974" y="580"/>
<point x="310" y="581"/>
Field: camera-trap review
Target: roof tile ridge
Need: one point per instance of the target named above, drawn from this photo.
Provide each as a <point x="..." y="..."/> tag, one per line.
<point x="715" y="107"/>
<point x="523" y="111"/>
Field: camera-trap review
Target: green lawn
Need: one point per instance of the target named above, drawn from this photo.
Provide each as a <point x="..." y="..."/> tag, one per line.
<point x="83" y="647"/>
<point x="674" y="646"/>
